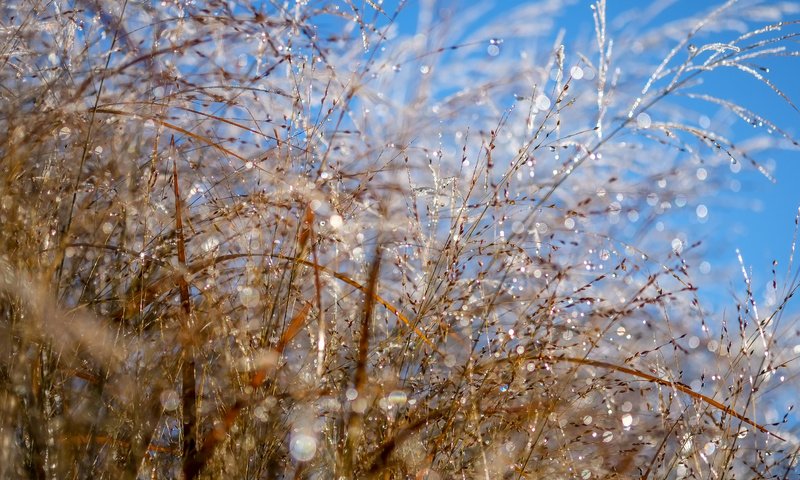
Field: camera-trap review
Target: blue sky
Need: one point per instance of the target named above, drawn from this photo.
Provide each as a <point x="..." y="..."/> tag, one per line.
<point x="758" y="219"/>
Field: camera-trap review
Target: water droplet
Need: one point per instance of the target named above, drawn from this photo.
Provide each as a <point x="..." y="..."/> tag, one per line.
<point x="397" y="397"/>
<point x="397" y="67"/>
<point x="542" y="102"/>
<point x="424" y="69"/>
<point x="627" y="420"/>
<point x="64" y="133"/>
<point x="303" y="447"/>
<point x="701" y="211"/>
<point x="351" y="394"/>
<point x="643" y="120"/>
<point x="709" y="448"/>
<point x="248" y="296"/>
<point x="702" y="173"/>
<point x="261" y="413"/>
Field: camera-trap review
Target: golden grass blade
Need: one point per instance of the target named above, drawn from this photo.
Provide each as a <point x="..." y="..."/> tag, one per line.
<point x="676" y="385"/>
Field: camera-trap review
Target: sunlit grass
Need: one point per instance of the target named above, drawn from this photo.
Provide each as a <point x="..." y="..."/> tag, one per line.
<point x="299" y="241"/>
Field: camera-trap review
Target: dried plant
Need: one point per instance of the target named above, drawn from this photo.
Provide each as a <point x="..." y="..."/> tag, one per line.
<point x="296" y="240"/>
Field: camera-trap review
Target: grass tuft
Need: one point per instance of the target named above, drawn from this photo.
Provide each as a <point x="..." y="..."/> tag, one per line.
<point x="318" y="240"/>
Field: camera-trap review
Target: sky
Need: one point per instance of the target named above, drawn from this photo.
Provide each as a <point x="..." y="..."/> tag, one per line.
<point x="758" y="219"/>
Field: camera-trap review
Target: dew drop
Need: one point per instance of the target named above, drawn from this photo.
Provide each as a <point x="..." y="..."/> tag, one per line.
<point x="709" y="448"/>
<point x="702" y="173"/>
<point x="627" y="420"/>
<point x="542" y="102"/>
<point x="248" y="296"/>
<point x="643" y="120"/>
<point x="351" y="394"/>
<point x="397" y="397"/>
<point x="303" y="447"/>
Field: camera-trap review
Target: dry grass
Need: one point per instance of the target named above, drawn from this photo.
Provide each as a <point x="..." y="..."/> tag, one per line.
<point x="292" y="241"/>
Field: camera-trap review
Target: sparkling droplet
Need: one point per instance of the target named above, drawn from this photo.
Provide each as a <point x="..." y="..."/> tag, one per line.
<point x="709" y="448"/>
<point x="701" y="211"/>
<point x="397" y="397"/>
<point x="248" y="296"/>
<point x="542" y="102"/>
<point x="643" y="120"/>
<point x="627" y="420"/>
<point x="351" y="394"/>
<point x="303" y="447"/>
